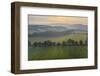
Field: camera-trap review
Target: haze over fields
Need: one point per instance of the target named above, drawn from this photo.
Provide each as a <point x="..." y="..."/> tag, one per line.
<point x="53" y="32"/>
<point x="57" y="37"/>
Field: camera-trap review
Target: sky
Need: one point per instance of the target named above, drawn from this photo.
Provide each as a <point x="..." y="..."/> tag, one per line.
<point x="47" y="19"/>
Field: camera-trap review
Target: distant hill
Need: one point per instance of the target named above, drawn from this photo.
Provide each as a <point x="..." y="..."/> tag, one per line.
<point x="55" y="30"/>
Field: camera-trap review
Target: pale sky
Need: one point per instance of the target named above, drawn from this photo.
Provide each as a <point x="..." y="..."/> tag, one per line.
<point x="44" y="19"/>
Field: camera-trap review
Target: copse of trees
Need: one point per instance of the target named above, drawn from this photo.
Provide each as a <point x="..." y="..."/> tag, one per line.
<point x="69" y="42"/>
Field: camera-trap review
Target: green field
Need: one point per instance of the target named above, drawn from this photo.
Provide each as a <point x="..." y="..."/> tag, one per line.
<point x="58" y="52"/>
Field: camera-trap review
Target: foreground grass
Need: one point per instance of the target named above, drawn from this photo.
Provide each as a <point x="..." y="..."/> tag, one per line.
<point x="57" y="52"/>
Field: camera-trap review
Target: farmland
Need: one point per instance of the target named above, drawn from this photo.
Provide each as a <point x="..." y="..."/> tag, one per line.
<point x="46" y="42"/>
<point x="61" y="52"/>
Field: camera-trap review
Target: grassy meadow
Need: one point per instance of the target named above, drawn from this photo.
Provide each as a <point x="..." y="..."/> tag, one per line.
<point x="58" y="52"/>
<point x="62" y="52"/>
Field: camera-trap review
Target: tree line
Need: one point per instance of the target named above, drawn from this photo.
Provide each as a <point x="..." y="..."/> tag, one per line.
<point x="69" y="42"/>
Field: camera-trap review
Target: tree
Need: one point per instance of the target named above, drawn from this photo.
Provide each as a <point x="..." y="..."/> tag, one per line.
<point x="49" y="43"/>
<point x="64" y="43"/>
<point x="70" y="41"/>
<point x="73" y="42"/>
<point x="35" y="44"/>
<point x="76" y="43"/>
<point x="29" y="43"/>
<point x="86" y="42"/>
<point x="81" y="42"/>
<point x="53" y="43"/>
<point x="39" y="44"/>
<point x="58" y="44"/>
<point x="45" y="43"/>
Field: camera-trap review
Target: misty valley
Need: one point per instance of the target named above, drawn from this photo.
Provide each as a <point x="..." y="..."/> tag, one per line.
<point x="48" y="42"/>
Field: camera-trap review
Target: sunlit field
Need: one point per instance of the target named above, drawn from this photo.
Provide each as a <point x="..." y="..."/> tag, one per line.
<point x="57" y="52"/>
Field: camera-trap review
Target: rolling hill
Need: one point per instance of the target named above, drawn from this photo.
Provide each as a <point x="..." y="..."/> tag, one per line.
<point x="57" y="33"/>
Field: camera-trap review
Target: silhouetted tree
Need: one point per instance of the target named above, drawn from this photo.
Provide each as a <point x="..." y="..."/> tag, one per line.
<point x="86" y="42"/>
<point x="45" y="43"/>
<point x="29" y="43"/>
<point x="64" y="43"/>
<point x="39" y="44"/>
<point x="53" y="43"/>
<point x="58" y="44"/>
<point x="73" y="42"/>
<point x="76" y="43"/>
<point x="70" y="41"/>
<point x="35" y="44"/>
<point x="48" y="42"/>
<point x="81" y="42"/>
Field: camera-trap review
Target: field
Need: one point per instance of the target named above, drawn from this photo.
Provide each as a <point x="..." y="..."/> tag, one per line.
<point x="58" y="52"/>
<point x="76" y="37"/>
<point x="57" y="37"/>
